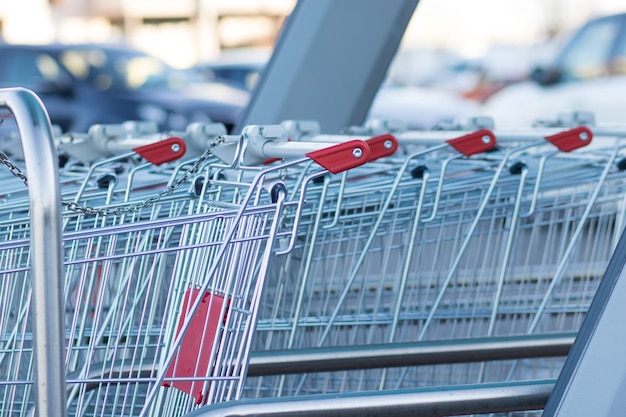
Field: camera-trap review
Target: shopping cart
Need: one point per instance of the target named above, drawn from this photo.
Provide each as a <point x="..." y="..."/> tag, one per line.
<point x="536" y="254"/>
<point x="509" y="242"/>
<point x="168" y="270"/>
<point x="170" y="282"/>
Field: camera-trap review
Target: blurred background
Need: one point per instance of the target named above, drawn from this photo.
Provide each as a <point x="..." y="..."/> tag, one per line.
<point x="455" y="54"/>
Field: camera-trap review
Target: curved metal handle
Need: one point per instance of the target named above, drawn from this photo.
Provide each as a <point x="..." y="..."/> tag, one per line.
<point x="46" y="247"/>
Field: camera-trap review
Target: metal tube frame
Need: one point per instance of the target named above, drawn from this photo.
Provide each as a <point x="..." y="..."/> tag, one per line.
<point x="46" y="248"/>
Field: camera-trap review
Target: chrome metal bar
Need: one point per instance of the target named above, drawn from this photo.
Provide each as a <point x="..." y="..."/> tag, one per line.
<point x="408" y="354"/>
<point x="46" y="247"/>
<point x="279" y="362"/>
<point x="427" y="402"/>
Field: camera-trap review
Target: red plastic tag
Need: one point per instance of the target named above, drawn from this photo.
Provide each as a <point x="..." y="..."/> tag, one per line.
<point x="341" y="157"/>
<point x="476" y="142"/>
<point x="163" y="151"/>
<point x="571" y="139"/>
<point x="194" y="355"/>
<point x="381" y="146"/>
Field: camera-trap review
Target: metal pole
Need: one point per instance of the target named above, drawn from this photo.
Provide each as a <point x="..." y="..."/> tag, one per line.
<point x="427" y="402"/>
<point x="408" y="354"/>
<point x="46" y="248"/>
<point x="331" y="359"/>
<point x="329" y="62"/>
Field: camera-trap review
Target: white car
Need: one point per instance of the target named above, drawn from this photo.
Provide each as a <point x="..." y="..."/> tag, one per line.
<point x="421" y="107"/>
<point x="588" y="75"/>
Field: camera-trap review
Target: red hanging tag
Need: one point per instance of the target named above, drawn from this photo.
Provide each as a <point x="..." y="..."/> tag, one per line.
<point x="194" y="355"/>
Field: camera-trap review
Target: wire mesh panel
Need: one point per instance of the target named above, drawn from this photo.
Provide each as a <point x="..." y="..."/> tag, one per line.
<point x="161" y="288"/>
<point x="173" y="274"/>
<point x="511" y="242"/>
<point x="129" y="290"/>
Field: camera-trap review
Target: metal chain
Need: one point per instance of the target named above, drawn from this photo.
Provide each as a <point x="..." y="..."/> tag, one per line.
<point x="131" y="208"/>
<point x="15" y="170"/>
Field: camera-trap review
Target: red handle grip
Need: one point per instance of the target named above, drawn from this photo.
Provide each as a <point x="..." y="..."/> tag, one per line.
<point x="381" y="146"/>
<point x="162" y="151"/>
<point x="571" y="139"/>
<point x="476" y="142"/>
<point x="341" y="157"/>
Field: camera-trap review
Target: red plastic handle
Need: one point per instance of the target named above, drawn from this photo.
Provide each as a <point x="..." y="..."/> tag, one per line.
<point x="162" y="151"/>
<point x="381" y="146"/>
<point x="571" y="139"/>
<point x="476" y="142"/>
<point x="341" y="157"/>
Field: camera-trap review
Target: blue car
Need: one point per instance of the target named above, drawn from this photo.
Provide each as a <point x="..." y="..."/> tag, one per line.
<point x="85" y="84"/>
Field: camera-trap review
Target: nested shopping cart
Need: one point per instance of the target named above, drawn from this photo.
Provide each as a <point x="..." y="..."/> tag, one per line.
<point x="165" y="281"/>
<point x="167" y="270"/>
<point x="437" y="246"/>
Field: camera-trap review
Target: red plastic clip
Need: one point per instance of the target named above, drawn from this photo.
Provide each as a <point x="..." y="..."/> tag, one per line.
<point x="381" y="146"/>
<point x="476" y="142"/>
<point x="163" y="151"/>
<point x="193" y="358"/>
<point x="571" y="139"/>
<point x="341" y="157"/>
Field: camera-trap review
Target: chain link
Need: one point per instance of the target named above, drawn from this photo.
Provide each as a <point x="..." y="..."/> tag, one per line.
<point x="15" y="170"/>
<point x="131" y="208"/>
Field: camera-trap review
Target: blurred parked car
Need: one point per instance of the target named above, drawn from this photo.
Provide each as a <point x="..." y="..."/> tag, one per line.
<point x="420" y="107"/>
<point x="240" y="67"/>
<point x="587" y="75"/>
<point x="81" y="85"/>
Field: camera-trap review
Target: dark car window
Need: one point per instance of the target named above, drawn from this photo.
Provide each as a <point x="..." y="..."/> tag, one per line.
<point x="29" y="68"/>
<point x="587" y="56"/>
<point x="119" y="69"/>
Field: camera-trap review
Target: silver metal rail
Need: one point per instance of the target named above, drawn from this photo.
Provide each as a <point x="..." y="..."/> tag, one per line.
<point x="428" y="402"/>
<point x="46" y="247"/>
<point x="408" y="354"/>
<point x="280" y="362"/>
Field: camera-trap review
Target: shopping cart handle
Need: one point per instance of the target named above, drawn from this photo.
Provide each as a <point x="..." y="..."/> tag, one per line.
<point x="382" y="146"/>
<point x="163" y="151"/>
<point x="342" y="157"/>
<point x="476" y="142"/>
<point x="571" y="139"/>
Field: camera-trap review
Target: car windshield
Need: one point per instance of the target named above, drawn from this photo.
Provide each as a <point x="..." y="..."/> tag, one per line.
<point x="119" y="69"/>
